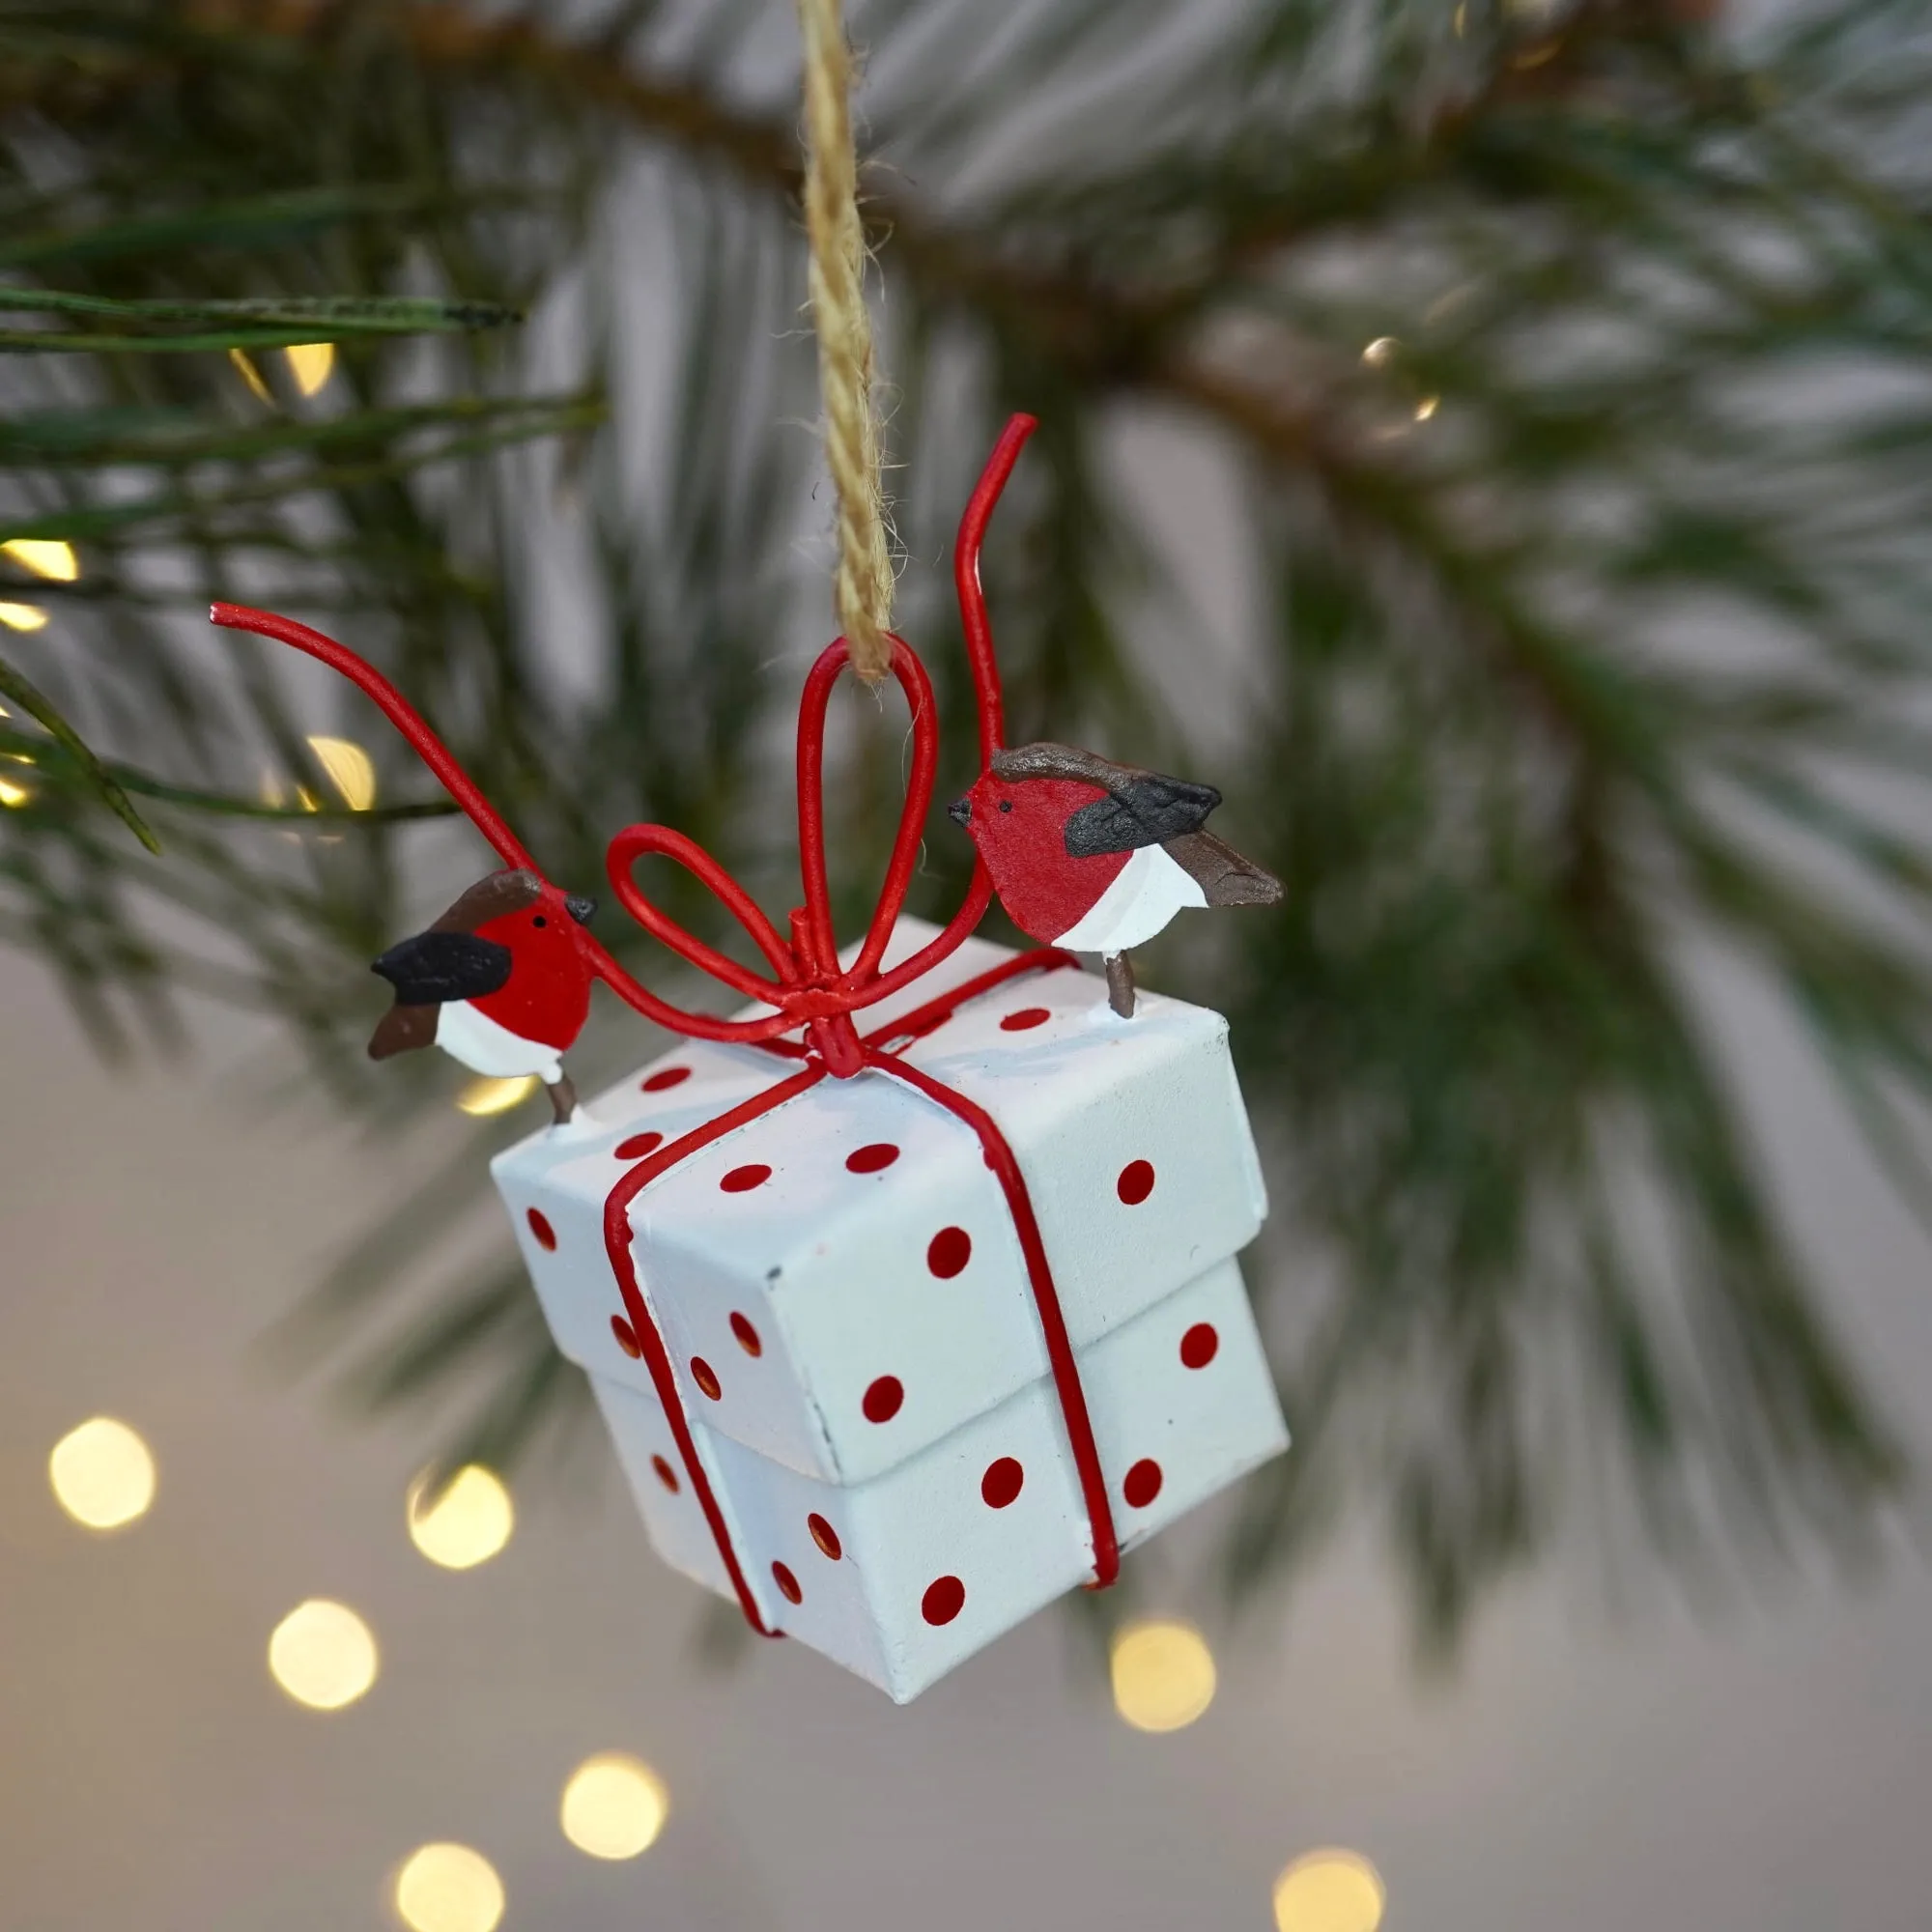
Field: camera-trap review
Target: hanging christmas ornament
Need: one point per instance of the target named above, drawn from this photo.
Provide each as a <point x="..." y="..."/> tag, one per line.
<point x="902" y="1344"/>
<point x="900" y="1333"/>
<point x="1098" y="857"/>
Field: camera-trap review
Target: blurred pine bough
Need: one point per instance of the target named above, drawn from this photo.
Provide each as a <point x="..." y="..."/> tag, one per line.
<point x="1567" y="370"/>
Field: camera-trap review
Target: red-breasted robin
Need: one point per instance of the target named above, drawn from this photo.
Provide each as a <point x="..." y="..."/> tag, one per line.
<point x="499" y="983"/>
<point x="1098" y="857"/>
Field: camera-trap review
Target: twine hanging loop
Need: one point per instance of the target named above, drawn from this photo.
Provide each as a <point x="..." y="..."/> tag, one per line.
<point x="836" y="241"/>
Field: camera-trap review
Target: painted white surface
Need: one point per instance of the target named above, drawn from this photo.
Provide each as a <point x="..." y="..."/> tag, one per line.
<point x="470" y="1035"/>
<point x="1145" y="894"/>
<point x="904" y="1529"/>
<point x="830" y="1267"/>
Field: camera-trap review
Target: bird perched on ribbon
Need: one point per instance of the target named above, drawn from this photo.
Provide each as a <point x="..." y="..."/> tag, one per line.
<point x="1096" y="856"/>
<point x="499" y="982"/>
<point x="722" y="1241"/>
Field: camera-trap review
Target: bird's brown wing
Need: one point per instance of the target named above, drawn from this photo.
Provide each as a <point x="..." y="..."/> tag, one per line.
<point x="491" y="898"/>
<point x="1224" y="876"/>
<point x="402" y="1030"/>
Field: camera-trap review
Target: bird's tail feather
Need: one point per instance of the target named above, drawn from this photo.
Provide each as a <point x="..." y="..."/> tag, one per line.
<point x="1224" y="876"/>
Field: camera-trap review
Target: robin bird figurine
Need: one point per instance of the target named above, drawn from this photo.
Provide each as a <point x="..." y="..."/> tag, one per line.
<point x="499" y="982"/>
<point x="1098" y="857"/>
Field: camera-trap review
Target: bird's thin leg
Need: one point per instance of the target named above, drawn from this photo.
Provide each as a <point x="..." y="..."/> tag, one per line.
<point x="562" y="1098"/>
<point x="1121" y="984"/>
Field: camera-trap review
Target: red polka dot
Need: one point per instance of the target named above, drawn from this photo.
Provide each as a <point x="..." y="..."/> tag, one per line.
<point x="627" y="1338"/>
<point x="1026" y="1018"/>
<point x="869" y="1159"/>
<point x="705" y="1377"/>
<point x="742" y="1180"/>
<point x="944" y="1598"/>
<point x="1136" y="1182"/>
<point x="787" y="1584"/>
<point x="541" y="1228"/>
<point x="1143" y="1483"/>
<point x="883" y="1398"/>
<point x="1198" y="1346"/>
<point x="825" y="1536"/>
<point x="949" y="1251"/>
<point x="637" y="1146"/>
<point x="665" y="1076"/>
<point x="747" y="1336"/>
<point x="1001" y="1483"/>
<point x="666" y="1474"/>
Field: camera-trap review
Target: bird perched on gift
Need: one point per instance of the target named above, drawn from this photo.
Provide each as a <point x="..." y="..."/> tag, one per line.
<point x="499" y="982"/>
<point x="1098" y="857"/>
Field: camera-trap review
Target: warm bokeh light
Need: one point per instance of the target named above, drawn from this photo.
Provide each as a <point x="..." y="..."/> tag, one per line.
<point x="448" y="1889"/>
<point x="466" y="1523"/>
<point x="12" y="794"/>
<point x="1379" y="351"/>
<point x="101" y="1472"/>
<point x="350" y="768"/>
<point x="23" y="617"/>
<point x="323" y="1654"/>
<point x="1427" y="408"/>
<point x="1163" y="1675"/>
<point x="44" y="557"/>
<point x="311" y="364"/>
<point x="245" y="367"/>
<point x="484" y="1097"/>
<point x="614" y="1806"/>
<point x="1330" y="1890"/>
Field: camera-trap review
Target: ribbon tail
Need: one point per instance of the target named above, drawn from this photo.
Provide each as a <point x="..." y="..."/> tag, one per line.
<point x="1000" y="1157"/>
<point x="397" y="709"/>
<point x="650" y="1338"/>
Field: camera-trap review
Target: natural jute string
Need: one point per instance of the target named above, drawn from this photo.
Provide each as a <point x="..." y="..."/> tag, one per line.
<point x="838" y="246"/>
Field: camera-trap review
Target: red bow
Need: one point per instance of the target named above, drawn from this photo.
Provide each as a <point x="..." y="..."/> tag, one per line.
<point x="810" y="989"/>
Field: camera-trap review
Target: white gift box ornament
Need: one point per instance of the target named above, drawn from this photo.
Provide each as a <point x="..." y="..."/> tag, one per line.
<point x="899" y="1333"/>
<point x="845" y="1303"/>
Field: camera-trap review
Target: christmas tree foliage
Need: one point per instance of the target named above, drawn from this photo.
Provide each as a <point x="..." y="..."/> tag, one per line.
<point x="1565" y="367"/>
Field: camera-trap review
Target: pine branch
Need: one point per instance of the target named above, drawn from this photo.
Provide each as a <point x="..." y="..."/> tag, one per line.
<point x="1481" y="330"/>
<point x="97" y="777"/>
<point x="227" y="325"/>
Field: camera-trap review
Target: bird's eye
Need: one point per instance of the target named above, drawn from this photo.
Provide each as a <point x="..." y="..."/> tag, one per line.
<point x="1006" y="805"/>
<point x="540" y="919"/>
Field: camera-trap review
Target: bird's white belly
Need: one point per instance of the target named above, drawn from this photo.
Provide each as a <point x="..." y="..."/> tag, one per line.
<point x="1147" y="891"/>
<point x="485" y="1046"/>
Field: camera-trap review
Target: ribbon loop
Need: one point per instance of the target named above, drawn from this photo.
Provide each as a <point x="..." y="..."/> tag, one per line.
<point x="633" y="844"/>
<point x="810" y="989"/>
<point x="856" y="982"/>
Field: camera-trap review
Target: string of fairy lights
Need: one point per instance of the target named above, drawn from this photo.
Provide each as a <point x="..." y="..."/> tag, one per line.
<point x="324" y="1655"/>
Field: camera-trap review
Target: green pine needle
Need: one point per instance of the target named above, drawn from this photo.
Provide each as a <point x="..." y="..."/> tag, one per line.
<point x="101" y="780"/>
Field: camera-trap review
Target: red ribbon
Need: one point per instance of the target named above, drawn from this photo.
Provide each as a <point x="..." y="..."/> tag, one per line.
<point x="808" y="989"/>
<point x="1019" y="1204"/>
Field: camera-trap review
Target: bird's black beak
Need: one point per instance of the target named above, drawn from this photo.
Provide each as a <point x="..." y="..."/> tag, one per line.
<point x="580" y="906"/>
<point x="438" y="966"/>
<point x="960" y="812"/>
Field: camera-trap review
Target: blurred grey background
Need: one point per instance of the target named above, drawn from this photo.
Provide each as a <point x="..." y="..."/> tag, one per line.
<point x="1762" y="1766"/>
